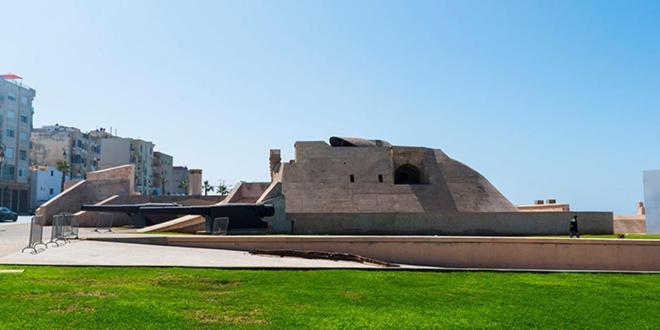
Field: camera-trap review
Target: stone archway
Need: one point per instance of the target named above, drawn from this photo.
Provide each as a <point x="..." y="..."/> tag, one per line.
<point x="407" y="174"/>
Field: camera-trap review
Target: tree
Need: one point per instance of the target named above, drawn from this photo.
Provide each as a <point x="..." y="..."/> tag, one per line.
<point x="207" y="187"/>
<point x="184" y="185"/>
<point x="222" y="188"/>
<point x="63" y="167"/>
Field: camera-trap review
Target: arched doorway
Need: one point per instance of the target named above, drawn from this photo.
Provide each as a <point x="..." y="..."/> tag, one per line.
<point x="407" y="174"/>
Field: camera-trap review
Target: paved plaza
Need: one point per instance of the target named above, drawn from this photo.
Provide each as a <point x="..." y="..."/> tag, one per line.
<point x="13" y="237"/>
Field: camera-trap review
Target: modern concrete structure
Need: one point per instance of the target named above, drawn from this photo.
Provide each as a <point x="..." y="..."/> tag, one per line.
<point x="652" y="201"/>
<point x="56" y="143"/>
<point x="195" y="182"/>
<point x="162" y="170"/>
<point x="180" y="180"/>
<point x="118" y="151"/>
<point x="16" y="113"/>
<point x="45" y="183"/>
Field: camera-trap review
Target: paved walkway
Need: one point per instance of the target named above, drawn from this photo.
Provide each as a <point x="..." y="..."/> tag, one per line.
<point x="94" y="253"/>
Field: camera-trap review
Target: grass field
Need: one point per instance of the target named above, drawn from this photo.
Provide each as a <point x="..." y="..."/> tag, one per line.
<point x="150" y="298"/>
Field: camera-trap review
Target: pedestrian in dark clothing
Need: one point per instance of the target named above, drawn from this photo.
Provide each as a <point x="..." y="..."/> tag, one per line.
<point x="574" y="227"/>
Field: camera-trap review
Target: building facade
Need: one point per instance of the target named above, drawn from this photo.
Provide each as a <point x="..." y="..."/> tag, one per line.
<point x="180" y="180"/>
<point x="16" y="113"/>
<point x="56" y="143"/>
<point x="45" y="183"/>
<point x="117" y="151"/>
<point x="162" y="169"/>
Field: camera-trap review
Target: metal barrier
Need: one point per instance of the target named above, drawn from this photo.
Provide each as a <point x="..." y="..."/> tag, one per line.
<point x="220" y="226"/>
<point x="70" y="226"/>
<point x="104" y="222"/>
<point x="36" y="234"/>
<point x="57" y="230"/>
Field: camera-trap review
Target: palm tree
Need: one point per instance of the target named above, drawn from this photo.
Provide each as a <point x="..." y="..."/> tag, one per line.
<point x="184" y="185"/>
<point x="207" y="187"/>
<point x="63" y="167"/>
<point x="222" y="188"/>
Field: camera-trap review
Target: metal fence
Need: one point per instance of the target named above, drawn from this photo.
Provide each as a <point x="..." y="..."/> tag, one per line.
<point x="69" y="226"/>
<point x="220" y="226"/>
<point x="57" y="230"/>
<point x="36" y="234"/>
<point x="104" y="222"/>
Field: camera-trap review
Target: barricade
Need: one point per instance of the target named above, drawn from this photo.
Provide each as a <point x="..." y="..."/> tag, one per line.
<point x="56" y="231"/>
<point x="36" y="234"/>
<point x="220" y="226"/>
<point x="70" y="226"/>
<point x="104" y="222"/>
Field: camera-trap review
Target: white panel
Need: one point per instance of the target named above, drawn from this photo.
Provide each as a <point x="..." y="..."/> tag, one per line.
<point x="652" y="201"/>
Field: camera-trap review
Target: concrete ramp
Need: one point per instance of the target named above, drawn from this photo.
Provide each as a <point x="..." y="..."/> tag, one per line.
<point x="184" y="224"/>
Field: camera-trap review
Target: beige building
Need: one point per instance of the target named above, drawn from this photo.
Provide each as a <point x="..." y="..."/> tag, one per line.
<point x="16" y="124"/>
<point x="195" y="182"/>
<point x="118" y="151"/>
<point x="56" y="143"/>
<point x="163" y="177"/>
<point x="361" y="176"/>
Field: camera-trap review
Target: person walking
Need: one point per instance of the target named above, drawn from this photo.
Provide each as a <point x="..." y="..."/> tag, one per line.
<point x="574" y="227"/>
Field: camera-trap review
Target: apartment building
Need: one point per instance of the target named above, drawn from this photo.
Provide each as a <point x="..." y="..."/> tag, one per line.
<point x="16" y="113"/>
<point x="162" y="170"/>
<point x="180" y="180"/>
<point x="117" y="151"/>
<point x="45" y="183"/>
<point x="56" y="143"/>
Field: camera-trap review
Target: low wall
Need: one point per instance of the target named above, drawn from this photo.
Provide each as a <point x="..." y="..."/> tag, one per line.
<point x="481" y="224"/>
<point x="630" y="226"/>
<point x="455" y="252"/>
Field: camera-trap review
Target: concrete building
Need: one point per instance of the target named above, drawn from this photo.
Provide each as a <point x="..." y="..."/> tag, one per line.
<point x="162" y="169"/>
<point x="16" y="113"/>
<point x="45" y="183"/>
<point x="180" y="180"/>
<point x="118" y="151"/>
<point x="195" y="182"/>
<point x="56" y="143"/>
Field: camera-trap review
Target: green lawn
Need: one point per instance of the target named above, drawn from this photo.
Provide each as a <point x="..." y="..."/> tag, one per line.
<point x="156" y="298"/>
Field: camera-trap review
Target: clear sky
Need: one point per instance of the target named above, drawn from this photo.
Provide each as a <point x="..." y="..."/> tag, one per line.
<point x="547" y="99"/>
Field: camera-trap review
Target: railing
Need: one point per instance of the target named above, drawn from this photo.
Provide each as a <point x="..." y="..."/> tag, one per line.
<point x="36" y="234"/>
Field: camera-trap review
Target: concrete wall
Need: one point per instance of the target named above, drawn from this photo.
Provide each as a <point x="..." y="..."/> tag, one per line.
<point x="45" y="183"/>
<point x="459" y="252"/>
<point x="491" y="224"/>
<point x="99" y="186"/>
<point x="629" y="225"/>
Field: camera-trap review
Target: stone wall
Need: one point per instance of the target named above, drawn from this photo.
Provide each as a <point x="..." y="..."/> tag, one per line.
<point x="478" y="224"/>
<point x="363" y="179"/>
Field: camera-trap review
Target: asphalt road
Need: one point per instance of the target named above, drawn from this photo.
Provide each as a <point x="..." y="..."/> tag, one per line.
<point x="21" y="219"/>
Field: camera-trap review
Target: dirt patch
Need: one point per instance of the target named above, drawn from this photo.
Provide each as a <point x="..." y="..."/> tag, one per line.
<point x="252" y="317"/>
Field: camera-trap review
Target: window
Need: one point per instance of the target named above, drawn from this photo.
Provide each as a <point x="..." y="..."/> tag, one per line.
<point x="22" y="136"/>
<point x="11" y="132"/>
<point x="9" y="153"/>
<point x="407" y="174"/>
<point x="352" y="178"/>
<point x="22" y="154"/>
<point x="52" y="173"/>
<point x="24" y="119"/>
<point x="8" y="171"/>
<point x="20" y="172"/>
<point x="11" y="96"/>
<point x="51" y="191"/>
<point x="380" y="178"/>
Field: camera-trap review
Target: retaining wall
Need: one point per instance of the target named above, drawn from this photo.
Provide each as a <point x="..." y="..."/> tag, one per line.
<point x="481" y="224"/>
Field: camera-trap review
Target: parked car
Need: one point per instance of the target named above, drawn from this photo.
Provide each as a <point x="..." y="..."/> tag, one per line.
<point x="8" y="214"/>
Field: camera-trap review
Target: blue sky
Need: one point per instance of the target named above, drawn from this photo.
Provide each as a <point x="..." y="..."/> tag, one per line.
<point x="547" y="99"/>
